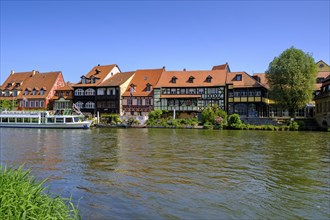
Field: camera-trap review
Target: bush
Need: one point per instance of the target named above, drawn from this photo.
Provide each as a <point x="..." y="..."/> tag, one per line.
<point x="22" y="197"/>
<point x="235" y="122"/>
<point x="294" y="126"/>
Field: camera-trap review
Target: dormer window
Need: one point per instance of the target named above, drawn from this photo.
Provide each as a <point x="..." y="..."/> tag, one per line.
<point x="173" y="80"/>
<point x="209" y="78"/>
<point x="191" y="79"/>
<point x="148" y="87"/>
<point x="132" y="89"/>
<point x="34" y="92"/>
<point x="93" y="79"/>
<point x="83" y="80"/>
<point x="18" y="85"/>
<point x="9" y="85"/>
<point x="27" y="91"/>
<point x="320" y="80"/>
<point x="97" y="71"/>
<point x="238" y="77"/>
<point x="42" y="91"/>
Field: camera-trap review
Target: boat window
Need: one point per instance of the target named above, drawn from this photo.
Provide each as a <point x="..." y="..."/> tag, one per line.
<point x="76" y="119"/>
<point x="68" y="120"/>
<point x="59" y="120"/>
<point x="4" y="120"/>
<point x="50" y="120"/>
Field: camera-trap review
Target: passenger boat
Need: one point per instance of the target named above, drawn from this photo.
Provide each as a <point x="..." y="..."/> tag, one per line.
<point x="43" y="119"/>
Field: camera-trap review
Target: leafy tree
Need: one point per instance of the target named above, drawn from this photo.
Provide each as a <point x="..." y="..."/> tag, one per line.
<point x="291" y="77"/>
<point x="213" y="115"/>
<point x="7" y="104"/>
<point x="156" y="114"/>
<point x="234" y="121"/>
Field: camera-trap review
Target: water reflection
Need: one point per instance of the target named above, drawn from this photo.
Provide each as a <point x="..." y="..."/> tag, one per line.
<point x="185" y="174"/>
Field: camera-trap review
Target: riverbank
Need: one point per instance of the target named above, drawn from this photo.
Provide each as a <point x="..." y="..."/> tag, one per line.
<point x="22" y="197"/>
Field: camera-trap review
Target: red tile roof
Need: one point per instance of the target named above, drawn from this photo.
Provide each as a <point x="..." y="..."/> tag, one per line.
<point x="321" y="75"/>
<point x="99" y="72"/>
<point x="141" y="78"/>
<point x="263" y="79"/>
<point x="38" y="81"/>
<point x="16" y="78"/>
<point x="222" y="67"/>
<point x="246" y="81"/>
<point x="218" y="78"/>
<point x="117" y="79"/>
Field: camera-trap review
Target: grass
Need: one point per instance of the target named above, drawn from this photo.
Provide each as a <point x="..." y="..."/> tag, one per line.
<point x="22" y="197"/>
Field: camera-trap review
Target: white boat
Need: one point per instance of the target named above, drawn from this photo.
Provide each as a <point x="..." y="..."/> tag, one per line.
<point x="42" y="119"/>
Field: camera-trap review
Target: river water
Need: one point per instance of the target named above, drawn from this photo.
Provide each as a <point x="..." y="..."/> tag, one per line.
<point x="178" y="173"/>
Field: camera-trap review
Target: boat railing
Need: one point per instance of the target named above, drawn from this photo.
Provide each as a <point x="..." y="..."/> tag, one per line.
<point x="19" y="113"/>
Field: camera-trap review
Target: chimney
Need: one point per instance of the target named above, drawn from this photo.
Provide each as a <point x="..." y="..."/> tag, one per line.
<point x="98" y="64"/>
<point x="163" y="67"/>
<point x="12" y="72"/>
<point x="33" y="72"/>
<point x="184" y="69"/>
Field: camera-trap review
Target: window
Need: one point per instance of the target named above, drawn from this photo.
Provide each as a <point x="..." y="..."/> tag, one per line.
<point x="32" y="104"/>
<point x="211" y="91"/>
<point x="80" y="105"/>
<point x="251" y="93"/>
<point x="41" y="103"/>
<point x="90" y="92"/>
<point x="42" y="91"/>
<point x="7" y="93"/>
<point x="148" y="88"/>
<point x="37" y="104"/>
<point x="83" y="80"/>
<point x="0" y="92"/>
<point x="208" y="79"/>
<point x="191" y="79"/>
<point x="173" y="91"/>
<point x="320" y="80"/>
<point x="15" y="93"/>
<point x="139" y="102"/>
<point x="129" y="102"/>
<point x="148" y="102"/>
<point x="79" y="92"/>
<point x="101" y="91"/>
<point x="191" y="90"/>
<point x="90" y="105"/>
<point x="34" y="92"/>
<point x="173" y="80"/>
<point x="238" y="77"/>
<point x="258" y="93"/>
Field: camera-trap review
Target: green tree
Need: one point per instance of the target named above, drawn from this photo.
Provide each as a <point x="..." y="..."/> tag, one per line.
<point x="8" y="104"/>
<point x="291" y="77"/>
<point x="213" y="115"/>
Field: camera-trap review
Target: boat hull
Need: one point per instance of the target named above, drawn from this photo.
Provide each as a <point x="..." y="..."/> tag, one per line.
<point x="81" y="125"/>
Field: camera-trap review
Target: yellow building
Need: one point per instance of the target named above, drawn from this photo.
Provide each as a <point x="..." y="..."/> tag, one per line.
<point x="322" y="102"/>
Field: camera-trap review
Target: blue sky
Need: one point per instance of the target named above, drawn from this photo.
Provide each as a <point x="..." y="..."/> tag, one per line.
<point x="73" y="36"/>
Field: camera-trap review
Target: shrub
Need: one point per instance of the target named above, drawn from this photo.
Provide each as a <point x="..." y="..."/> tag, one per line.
<point x="208" y="125"/>
<point x="235" y="122"/>
<point x="22" y="197"/>
<point x="294" y="126"/>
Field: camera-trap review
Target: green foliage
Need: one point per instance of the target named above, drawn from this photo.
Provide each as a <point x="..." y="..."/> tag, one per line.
<point x="110" y="119"/>
<point x="154" y="115"/>
<point x="291" y="77"/>
<point x="214" y="115"/>
<point x="22" y="197"/>
<point x="235" y="122"/>
<point x="294" y="126"/>
<point x="8" y="105"/>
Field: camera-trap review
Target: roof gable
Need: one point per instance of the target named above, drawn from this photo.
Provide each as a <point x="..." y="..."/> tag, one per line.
<point x="200" y="78"/>
<point x="141" y="78"/>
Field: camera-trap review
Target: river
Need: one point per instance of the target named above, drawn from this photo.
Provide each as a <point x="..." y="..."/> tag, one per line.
<point x="179" y="173"/>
